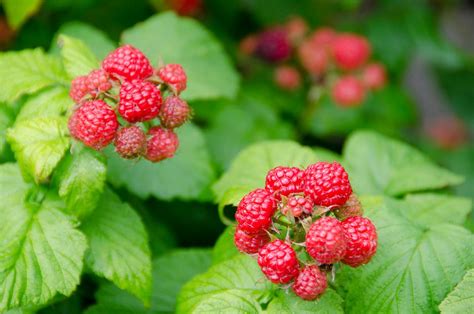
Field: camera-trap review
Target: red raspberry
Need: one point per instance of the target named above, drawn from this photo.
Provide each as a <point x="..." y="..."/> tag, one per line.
<point x="250" y="243"/>
<point x="350" y="51"/>
<point x="313" y="57"/>
<point x="350" y="209"/>
<point x="323" y="36"/>
<point x="139" y="101"/>
<point x="296" y="28"/>
<point x="374" y="76"/>
<point x="174" y="112"/>
<point x="248" y="45"/>
<point x="284" y="181"/>
<point x="327" y="184"/>
<point x="273" y="45"/>
<point x="185" y="7"/>
<point x="94" y="123"/>
<point x="79" y="88"/>
<point x="287" y="77"/>
<point x="175" y="76"/>
<point x="448" y="132"/>
<point x="162" y="144"/>
<point x="255" y="211"/>
<point x="278" y="261"/>
<point x="298" y="206"/>
<point x="361" y="238"/>
<point x="130" y="142"/>
<point x="325" y="240"/>
<point x="127" y="62"/>
<point x="310" y="283"/>
<point x="348" y="91"/>
<point x="98" y="82"/>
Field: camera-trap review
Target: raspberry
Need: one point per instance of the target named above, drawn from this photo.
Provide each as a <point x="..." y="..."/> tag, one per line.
<point x="284" y="181"/>
<point x="325" y="240"/>
<point x="350" y="209"/>
<point x="174" y="76"/>
<point x="250" y="243"/>
<point x="310" y="283"/>
<point x="361" y="237"/>
<point x="287" y="77"/>
<point x="127" y="62"/>
<point x="130" y="142"/>
<point x="174" y="112"/>
<point x="313" y="57"/>
<point x="255" y="211"/>
<point x="185" y="7"/>
<point x="350" y="51"/>
<point x="162" y="144"/>
<point x="79" y="88"/>
<point x="273" y="45"/>
<point x="448" y="132"/>
<point x="348" y="91"/>
<point x="248" y="45"/>
<point x="139" y="101"/>
<point x="323" y="36"/>
<point x="94" y="123"/>
<point x="278" y="261"/>
<point x="374" y="76"/>
<point x="296" y="28"/>
<point x="98" y="82"/>
<point x="298" y="205"/>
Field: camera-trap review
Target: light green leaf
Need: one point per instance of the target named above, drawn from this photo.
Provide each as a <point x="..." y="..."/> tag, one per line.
<point x="39" y="144"/>
<point x="225" y="248"/>
<point x="78" y="59"/>
<point x="174" y="39"/>
<point x="6" y="120"/>
<point x="287" y="302"/>
<point x="228" y="301"/>
<point x="461" y="299"/>
<point x="18" y="11"/>
<point x="28" y="71"/>
<point x="118" y="246"/>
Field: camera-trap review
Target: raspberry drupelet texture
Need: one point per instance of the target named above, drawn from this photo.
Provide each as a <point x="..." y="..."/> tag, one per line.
<point x="255" y="211"/>
<point x="250" y="243"/>
<point x="79" y="89"/>
<point x="94" y="123"/>
<point x="284" y="181"/>
<point x="298" y="206"/>
<point x="325" y="241"/>
<point x="350" y="51"/>
<point x="273" y="45"/>
<point x="162" y="144"/>
<point x="310" y="283"/>
<point x="139" y="101"/>
<point x="350" y="209"/>
<point x="287" y="77"/>
<point x="175" y="76"/>
<point x="278" y="262"/>
<point x="348" y="91"/>
<point x="98" y="81"/>
<point x="374" y="76"/>
<point x="327" y="184"/>
<point x="174" y="112"/>
<point x="130" y="142"/>
<point x="361" y="238"/>
<point x="127" y="62"/>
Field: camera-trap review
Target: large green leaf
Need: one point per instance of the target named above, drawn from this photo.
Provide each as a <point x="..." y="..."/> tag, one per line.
<point x="6" y="120"/>
<point x="174" y="39"/>
<point x="78" y="59"/>
<point x="225" y="248"/>
<point x="461" y="299"/>
<point x="118" y="246"/>
<point x="330" y="302"/>
<point x="51" y="102"/>
<point x="18" y="11"/>
<point x="41" y="250"/>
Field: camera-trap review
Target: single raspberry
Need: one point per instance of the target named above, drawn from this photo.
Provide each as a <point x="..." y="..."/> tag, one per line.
<point x="310" y="283"/>
<point x="327" y="184"/>
<point x="287" y="77"/>
<point x="174" y="112"/>
<point x="248" y="45"/>
<point x="127" y="62"/>
<point x="350" y="51"/>
<point x="374" y="76"/>
<point x="278" y="261"/>
<point x="94" y="123"/>
<point x="298" y="205"/>
<point x="175" y="76"/>
<point x="98" y="81"/>
<point x="130" y="142"/>
<point x="139" y="101"/>
<point x="79" y="89"/>
<point x="296" y="28"/>
<point x="323" y="36"/>
<point x="273" y="45"/>
<point x="325" y="241"/>
<point x="351" y="208"/>
<point x="255" y="211"/>
<point x="348" y="91"/>
<point x="162" y="144"/>
<point x="250" y="243"/>
<point x="448" y="132"/>
<point x="361" y="238"/>
<point x="185" y="7"/>
<point x="313" y="57"/>
<point x="284" y="181"/>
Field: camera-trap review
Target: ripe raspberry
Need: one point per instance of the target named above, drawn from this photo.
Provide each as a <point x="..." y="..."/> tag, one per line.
<point x="185" y="7"/>
<point x="298" y="206"/>
<point x="323" y="36"/>
<point x="98" y="82"/>
<point x="175" y="76"/>
<point x="348" y="91"/>
<point x="361" y="237"/>
<point x="350" y="51"/>
<point x="250" y="243"/>
<point x="174" y="112"/>
<point x="278" y="261"/>
<point x="94" y="123"/>
<point x="130" y="142"/>
<point x="139" y="101"/>
<point x="325" y="240"/>
<point x="284" y="181"/>
<point x="287" y="77"/>
<point x="310" y="283"/>
<point x="313" y="57"/>
<point x="350" y="209"/>
<point x="296" y="28"/>
<point x="162" y="144"/>
<point x="79" y="88"/>
<point x="255" y="211"/>
<point x="374" y="76"/>
<point x="127" y="62"/>
<point x="273" y="45"/>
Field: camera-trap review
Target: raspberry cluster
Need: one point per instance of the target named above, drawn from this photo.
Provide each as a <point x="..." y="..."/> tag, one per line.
<point x="301" y="224"/>
<point x="122" y="102"/>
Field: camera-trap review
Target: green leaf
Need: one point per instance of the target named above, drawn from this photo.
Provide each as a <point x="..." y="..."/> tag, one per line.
<point x="225" y="248"/>
<point x="187" y="175"/>
<point x="330" y="302"/>
<point x="28" y="71"/>
<point x="118" y="246"/>
<point x="39" y="144"/>
<point x="18" y="11"/>
<point x="228" y="301"/>
<point x="6" y="120"/>
<point x="78" y="59"/>
<point x="41" y="250"/>
<point x="461" y="299"/>
<point x="381" y="165"/>
<point x="174" y="39"/>
<point x="80" y="179"/>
